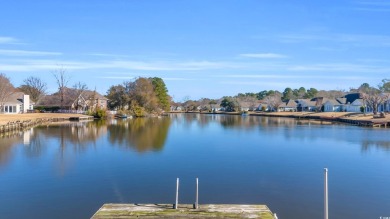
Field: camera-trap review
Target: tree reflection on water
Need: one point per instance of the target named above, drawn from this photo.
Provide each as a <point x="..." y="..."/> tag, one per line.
<point x="141" y="134"/>
<point x="150" y="134"/>
<point x="6" y="144"/>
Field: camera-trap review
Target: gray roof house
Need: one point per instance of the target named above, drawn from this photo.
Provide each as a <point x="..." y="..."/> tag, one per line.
<point x="74" y="100"/>
<point x="17" y="102"/>
<point x="306" y="105"/>
<point x="288" y="106"/>
<point x="334" y="105"/>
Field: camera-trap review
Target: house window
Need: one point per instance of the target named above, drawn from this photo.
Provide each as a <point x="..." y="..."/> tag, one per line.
<point x="10" y="109"/>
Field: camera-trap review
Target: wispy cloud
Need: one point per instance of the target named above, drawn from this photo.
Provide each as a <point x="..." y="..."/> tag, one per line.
<point x="340" y="67"/>
<point x="375" y="6"/>
<point x="375" y="3"/>
<point x="177" y="79"/>
<point x="298" y="38"/>
<point x="295" y="76"/>
<point x="6" y="52"/>
<point x="169" y="66"/>
<point x="372" y="9"/>
<point x="256" y="76"/>
<point x="350" y="39"/>
<point x="48" y="64"/>
<point x="8" y="40"/>
<point x="118" y="77"/>
<point x="263" y="55"/>
<point x="108" y="55"/>
<point x="328" y="49"/>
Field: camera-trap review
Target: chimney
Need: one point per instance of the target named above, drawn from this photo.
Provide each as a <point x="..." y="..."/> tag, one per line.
<point x="26" y="103"/>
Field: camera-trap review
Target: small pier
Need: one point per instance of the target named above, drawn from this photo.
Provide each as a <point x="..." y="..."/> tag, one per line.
<point x="18" y="125"/>
<point x="129" y="211"/>
<point x="80" y="118"/>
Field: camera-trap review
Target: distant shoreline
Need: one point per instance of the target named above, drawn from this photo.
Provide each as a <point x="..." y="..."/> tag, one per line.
<point x="359" y="119"/>
<point x="11" y="122"/>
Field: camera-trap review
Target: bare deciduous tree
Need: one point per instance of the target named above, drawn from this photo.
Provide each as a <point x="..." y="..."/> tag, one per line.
<point x="62" y="81"/>
<point x="6" y="89"/>
<point x="373" y="97"/>
<point x="79" y="100"/>
<point x="34" y="87"/>
<point x="274" y="101"/>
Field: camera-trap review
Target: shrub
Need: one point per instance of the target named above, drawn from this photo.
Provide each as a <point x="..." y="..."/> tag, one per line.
<point x="99" y="113"/>
<point x="138" y="111"/>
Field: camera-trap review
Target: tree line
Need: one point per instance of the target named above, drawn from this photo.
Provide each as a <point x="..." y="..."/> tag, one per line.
<point x="144" y="96"/>
<point x="372" y="96"/>
<point x="140" y="97"/>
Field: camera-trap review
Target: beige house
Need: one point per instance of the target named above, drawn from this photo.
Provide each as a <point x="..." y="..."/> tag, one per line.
<point x="76" y="100"/>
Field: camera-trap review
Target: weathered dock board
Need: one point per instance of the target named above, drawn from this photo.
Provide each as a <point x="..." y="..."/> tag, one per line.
<point x="128" y="211"/>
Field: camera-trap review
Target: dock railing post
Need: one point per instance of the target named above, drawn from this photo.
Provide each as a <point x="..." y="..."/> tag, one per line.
<point x="177" y="194"/>
<point x="196" y="205"/>
<point x="325" y="193"/>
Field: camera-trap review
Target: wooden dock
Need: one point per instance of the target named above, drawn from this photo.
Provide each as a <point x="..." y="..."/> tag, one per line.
<point x="128" y="211"/>
<point x="18" y="125"/>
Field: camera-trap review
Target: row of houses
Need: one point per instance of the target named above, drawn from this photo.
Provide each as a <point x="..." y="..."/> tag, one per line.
<point x="86" y="100"/>
<point x="352" y="102"/>
<point x="349" y="103"/>
<point x="74" y="100"/>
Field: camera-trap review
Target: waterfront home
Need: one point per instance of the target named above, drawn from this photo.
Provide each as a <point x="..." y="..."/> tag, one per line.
<point x="263" y="107"/>
<point x="385" y="107"/>
<point x="306" y="105"/>
<point x="177" y="108"/>
<point x="17" y="102"/>
<point x="76" y="100"/>
<point x="335" y="105"/>
<point x="247" y="106"/>
<point x="354" y="102"/>
<point x="288" y="106"/>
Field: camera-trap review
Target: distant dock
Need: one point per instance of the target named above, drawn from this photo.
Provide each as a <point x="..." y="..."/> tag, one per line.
<point x="129" y="211"/>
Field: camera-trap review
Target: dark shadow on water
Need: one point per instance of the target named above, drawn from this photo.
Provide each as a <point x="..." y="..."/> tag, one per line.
<point x="141" y="134"/>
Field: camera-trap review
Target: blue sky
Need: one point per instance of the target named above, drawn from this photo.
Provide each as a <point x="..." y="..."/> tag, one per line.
<point x="201" y="48"/>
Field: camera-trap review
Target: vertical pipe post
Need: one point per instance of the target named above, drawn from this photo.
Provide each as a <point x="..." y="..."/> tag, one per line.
<point x="177" y="194"/>
<point x="197" y="194"/>
<point x="325" y="193"/>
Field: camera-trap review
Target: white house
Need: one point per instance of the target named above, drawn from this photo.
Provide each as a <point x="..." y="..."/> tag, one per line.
<point x="17" y="103"/>
<point x="335" y="105"/>
<point x="306" y="105"/>
<point x="386" y="106"/>
<point x="263" y="106"/>
<point x="288" y="106"/>
<point x="354" y="106"/>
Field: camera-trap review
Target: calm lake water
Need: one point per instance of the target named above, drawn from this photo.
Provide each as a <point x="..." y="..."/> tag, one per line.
<point x="70" y="170"/>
